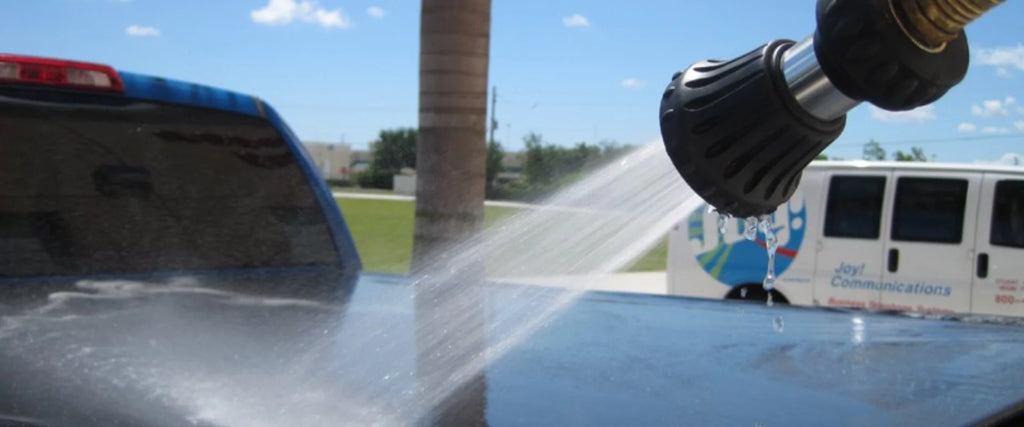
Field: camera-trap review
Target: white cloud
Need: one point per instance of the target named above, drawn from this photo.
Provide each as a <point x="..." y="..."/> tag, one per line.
<point x="140" y="31"/>
<point x="329" y="18"/>
<point x="634" y="83"/>
<point x="276" y="12"/>
<point x="1019" y="124"/>
<point x="1002" y="56"/>
<point x="920" y="114"/>
<point x="576" y="20"/>
<point x="1003" y="73"/>
<point x="966" y="127"/>
<point x="376" y="12"/>
<point x="994" y="107"/>
<point x="994" y="129"/>
<point x="283" y="12"/>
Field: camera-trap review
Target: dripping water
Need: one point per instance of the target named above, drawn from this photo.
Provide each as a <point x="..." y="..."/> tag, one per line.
<point x="771" y="244"/>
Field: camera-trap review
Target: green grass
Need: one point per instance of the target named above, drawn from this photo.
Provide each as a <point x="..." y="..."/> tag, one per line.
<point x="361" y="190"/>
<point x="383" y="231"/>
<point x="654" y="259"/>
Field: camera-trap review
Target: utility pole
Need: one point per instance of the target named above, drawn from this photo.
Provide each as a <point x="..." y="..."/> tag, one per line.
<point x="494" y="112"/>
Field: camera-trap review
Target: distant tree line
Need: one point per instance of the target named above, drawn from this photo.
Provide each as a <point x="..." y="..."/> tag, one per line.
<point x="547" y="167"/>
<point x="874" y="151"/>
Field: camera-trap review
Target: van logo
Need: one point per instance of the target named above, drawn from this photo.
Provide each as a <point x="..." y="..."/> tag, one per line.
<point x="733" y="260"/>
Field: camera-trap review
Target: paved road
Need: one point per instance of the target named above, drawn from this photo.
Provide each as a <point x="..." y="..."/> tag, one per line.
<point x="396" y="197"/>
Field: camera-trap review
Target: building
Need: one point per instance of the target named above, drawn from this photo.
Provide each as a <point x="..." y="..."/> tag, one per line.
<point x="333" y="160"/>
<point x="404" y="182"/>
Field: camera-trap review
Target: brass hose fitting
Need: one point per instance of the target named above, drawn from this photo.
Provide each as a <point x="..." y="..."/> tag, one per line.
<point x="930" y="24"/>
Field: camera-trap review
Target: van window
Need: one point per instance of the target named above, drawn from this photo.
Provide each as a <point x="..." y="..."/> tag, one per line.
<point x="929" y="210"/>
<point x="854" y="207"/>
<point x="1008" y="215"/>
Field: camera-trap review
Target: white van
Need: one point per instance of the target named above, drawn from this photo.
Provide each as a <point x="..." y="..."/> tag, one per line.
<point x="875" y="235"/>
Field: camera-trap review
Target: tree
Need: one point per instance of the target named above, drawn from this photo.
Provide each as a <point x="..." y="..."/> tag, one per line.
<point x="873" y="151"/>
<point x="916" y="155"/>
<point x="549" y="167"/>
<point x="821" y="156"/>
<point x="393" y="150"/>
<point x="537" y="167"/>
<point x="495" y="155"/>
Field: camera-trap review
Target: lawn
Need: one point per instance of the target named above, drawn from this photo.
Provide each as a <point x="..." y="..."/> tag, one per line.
<point x="382" y="230"/>
<point x="361" y="190"/>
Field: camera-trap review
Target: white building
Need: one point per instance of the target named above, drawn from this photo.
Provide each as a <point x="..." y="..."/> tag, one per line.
<point x="333" y="160"/>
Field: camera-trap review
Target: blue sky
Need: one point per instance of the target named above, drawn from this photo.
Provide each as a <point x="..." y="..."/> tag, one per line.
<point x="571" y="70"/>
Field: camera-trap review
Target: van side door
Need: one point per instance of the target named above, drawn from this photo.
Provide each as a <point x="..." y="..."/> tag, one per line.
<point x="929" y="257"/>
<point x="849" y="260"/>
<point x="999" y="261"/>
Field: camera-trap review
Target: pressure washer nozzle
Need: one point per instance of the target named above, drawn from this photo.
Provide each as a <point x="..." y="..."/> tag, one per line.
<point x="740" y="132"/>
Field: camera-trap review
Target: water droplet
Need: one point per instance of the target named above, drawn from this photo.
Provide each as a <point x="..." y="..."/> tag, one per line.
<point x="771" y="246"/>
<point x="750" y="231"/>
<point x="777" y="324"/>
<point x="723" y="221"/>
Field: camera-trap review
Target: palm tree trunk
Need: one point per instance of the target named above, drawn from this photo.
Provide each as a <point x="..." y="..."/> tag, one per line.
<point x="450" y="167"/>
<point x="451" y="152"/>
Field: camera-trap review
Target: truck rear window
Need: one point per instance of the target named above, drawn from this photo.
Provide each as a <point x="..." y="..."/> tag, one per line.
<point x="143" y="187"/>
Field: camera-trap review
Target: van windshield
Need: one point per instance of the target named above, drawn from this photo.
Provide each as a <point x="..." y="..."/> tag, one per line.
<point x="143" y="187"/>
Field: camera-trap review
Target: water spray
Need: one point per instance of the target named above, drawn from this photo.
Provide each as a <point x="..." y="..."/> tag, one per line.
<point x="740" y="132"/>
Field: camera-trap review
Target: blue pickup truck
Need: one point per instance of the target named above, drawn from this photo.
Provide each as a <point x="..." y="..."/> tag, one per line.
<point x="169" y="257"/>
<point x="115" y="174"/>
<point x="117" y="186"/>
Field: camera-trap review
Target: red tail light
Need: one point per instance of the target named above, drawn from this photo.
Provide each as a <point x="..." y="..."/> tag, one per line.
<point x="30" y="70"/>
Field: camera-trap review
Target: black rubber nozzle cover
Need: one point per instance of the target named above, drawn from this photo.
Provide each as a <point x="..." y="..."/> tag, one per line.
<point x="867" y="56"/>
<point x="737" y="135"/>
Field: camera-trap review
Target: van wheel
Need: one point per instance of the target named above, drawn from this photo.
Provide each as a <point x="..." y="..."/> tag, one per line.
<point x="755" y="292"/>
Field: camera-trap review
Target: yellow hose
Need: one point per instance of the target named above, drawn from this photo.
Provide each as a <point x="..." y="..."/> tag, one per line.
<point x="933" y="23"/>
